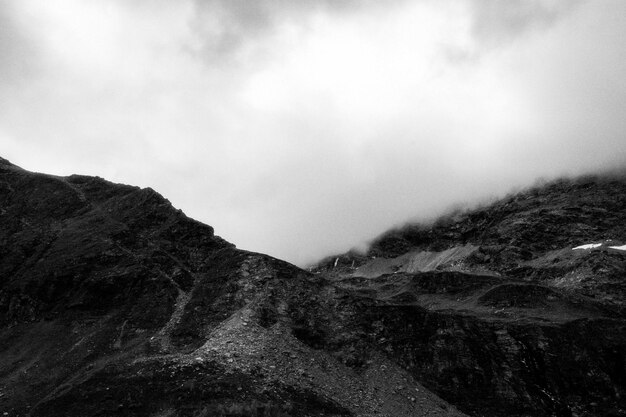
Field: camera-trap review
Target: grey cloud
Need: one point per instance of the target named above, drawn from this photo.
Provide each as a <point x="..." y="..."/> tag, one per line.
<point x="297" y="173"/>
<point x="225" y="27"/>
<point x="19" y="54"/>
<point x="497" y="23"/>
<point x="500" y="21"/>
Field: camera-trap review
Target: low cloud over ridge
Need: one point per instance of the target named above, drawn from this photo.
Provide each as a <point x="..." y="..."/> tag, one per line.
<point x="305" y="128"/>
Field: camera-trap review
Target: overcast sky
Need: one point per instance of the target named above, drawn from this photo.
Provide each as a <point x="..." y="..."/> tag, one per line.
<point x="302" y="128"/>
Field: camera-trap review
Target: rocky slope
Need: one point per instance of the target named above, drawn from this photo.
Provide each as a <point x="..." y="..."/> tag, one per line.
<point x="517" y="307"/>
<point x="112" y="302"/>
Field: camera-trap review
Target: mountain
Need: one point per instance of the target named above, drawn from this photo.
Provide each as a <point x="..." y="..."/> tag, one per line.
<point x="517" y="308"/>
<point x="113" y="302"/>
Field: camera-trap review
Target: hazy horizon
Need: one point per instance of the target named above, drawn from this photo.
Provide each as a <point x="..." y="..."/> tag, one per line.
<point x="305" y="128"/>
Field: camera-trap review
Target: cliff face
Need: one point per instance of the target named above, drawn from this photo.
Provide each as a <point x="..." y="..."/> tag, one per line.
<point x="112" y="302"/>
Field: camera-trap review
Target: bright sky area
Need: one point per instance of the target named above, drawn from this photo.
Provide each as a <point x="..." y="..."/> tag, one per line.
<point x="305" y="128"/>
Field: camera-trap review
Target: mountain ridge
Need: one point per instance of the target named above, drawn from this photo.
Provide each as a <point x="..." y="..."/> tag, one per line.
<point x="113" y="302"/>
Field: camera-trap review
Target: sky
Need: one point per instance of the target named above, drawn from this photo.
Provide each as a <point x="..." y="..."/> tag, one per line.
<point x="303" y="128"/>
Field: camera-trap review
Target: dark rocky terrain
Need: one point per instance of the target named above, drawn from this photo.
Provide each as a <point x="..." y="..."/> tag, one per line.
<point x="112" y="302"/>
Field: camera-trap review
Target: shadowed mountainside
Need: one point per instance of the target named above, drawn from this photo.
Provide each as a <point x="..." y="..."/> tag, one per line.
<point x="112" y="302"/>
<point x="512" y="314"/>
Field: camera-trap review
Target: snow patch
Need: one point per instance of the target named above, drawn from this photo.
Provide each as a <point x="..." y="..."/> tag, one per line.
<point x="588" y="246"/>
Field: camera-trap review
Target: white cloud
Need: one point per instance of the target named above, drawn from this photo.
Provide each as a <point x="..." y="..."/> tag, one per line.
<point x="303" y="128"/>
